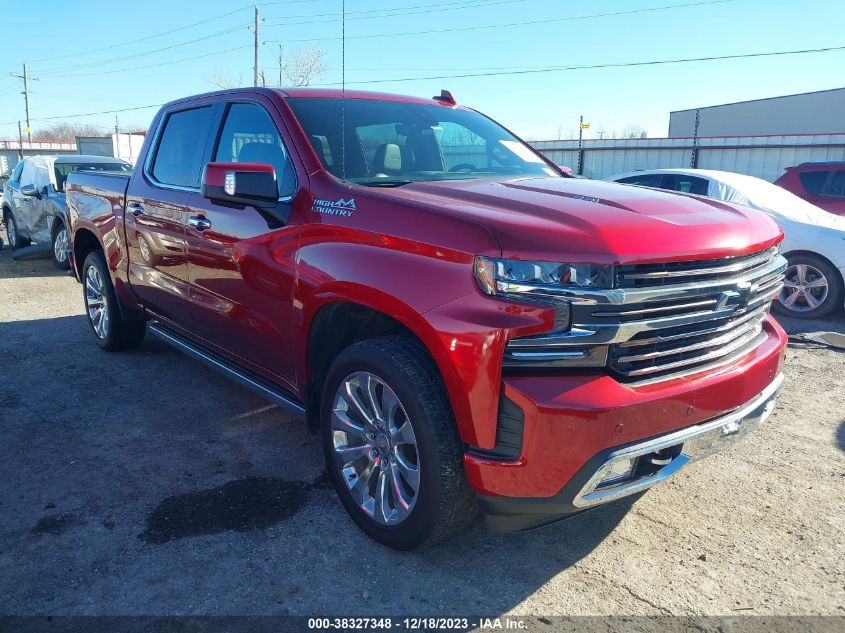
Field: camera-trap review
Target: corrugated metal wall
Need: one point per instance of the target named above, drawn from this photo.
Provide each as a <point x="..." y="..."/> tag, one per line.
<point x="9" y="152"/>
<point x="762" y="156"/>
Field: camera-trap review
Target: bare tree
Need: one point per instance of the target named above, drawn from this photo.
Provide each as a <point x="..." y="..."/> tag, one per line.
<point x="302" y="66"/>
<point x="634" y="131"/>
<point x="67" y="132"/>
<point x="224" y="81"/>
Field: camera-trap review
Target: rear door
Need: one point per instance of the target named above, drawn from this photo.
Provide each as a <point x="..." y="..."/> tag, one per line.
<point x="157" y="208"/>
<point x="241" y="262"/>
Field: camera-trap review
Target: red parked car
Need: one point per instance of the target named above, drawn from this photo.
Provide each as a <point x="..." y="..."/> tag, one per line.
<point x="463" y="324"/>
<point x="822" y="184"/>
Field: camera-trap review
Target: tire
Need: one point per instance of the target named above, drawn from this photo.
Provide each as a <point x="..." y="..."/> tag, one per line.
<point x="111" y="331"/>
<point x="15" y="239"/>
<point x="443" y="503"/>
<point x="813" y="288"/>
<point x="60" y="244"/>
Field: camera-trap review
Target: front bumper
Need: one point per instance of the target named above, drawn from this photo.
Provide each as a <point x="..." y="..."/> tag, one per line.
<point x="578" y="429"/>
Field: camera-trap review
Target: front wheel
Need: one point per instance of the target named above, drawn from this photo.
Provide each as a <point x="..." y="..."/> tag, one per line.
<point x="15" y="239"/>
<point x="812" y="288"/>
<point x="111" y="331"/>
<point x="61" y="246"/>
<point x="391" y="444"/>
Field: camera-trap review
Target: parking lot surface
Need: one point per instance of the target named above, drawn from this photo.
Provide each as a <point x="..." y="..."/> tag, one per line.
<point x="144" y="483"/>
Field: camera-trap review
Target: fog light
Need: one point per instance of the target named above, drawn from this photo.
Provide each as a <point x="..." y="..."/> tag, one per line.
<point x="618" y="470"/>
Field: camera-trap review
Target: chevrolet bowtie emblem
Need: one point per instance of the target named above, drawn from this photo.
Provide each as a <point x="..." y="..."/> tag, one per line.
<point x="737" y="298"/>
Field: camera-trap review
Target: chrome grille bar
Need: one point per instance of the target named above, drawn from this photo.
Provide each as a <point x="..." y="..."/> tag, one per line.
<point x="713" y="354"/>
<point x="679" y="272"/>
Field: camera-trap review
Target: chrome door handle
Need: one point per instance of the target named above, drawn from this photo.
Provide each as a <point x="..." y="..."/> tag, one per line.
<point x="199" y="223"/>
<point x="135" y="209"/>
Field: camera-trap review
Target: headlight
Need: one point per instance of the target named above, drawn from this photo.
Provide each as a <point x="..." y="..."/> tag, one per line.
<point x="498" y="277"/>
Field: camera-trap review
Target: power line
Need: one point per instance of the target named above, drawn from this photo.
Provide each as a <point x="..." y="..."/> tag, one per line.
<point x="392" y="12"/>
<point x="518" y="72"/>
<point x="525" y="23"/>
<point x="146" y="66"/>
<point x="141" y="39"/>
<point x="74" y="116"/>
<point x="551" y="69"/>
<point x="151" y="52"/>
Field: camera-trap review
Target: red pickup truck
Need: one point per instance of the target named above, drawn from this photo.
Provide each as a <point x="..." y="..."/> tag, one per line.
<point x="465" y="326"/>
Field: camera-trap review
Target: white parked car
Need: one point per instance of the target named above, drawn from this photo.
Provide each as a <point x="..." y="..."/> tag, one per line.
<point x="814" y="242"/>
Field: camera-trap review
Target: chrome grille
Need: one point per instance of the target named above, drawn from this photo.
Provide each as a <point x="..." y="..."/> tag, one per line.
<point x="644" y="275"/>
<point x="709" y="325"/>
<point x="663" y="320"/>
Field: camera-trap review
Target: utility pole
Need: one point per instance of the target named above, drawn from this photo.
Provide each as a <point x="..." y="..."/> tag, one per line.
<point x="580" y="146"/>
<point x="26" y="79"/>
<point x="257" y="46"/>
<point x="20" y="142"/>
<point x="693" y="162"/>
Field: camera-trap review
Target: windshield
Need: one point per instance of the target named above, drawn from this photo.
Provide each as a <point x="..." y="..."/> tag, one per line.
<point x="391" y="143"/>
<point x="779" y="201"/>
<point x="63" y="170"/>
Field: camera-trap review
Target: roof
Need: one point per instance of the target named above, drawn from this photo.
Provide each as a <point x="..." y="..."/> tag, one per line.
<point x="821" y="163"/>
<point x="727" y="177"/>
<point x="86" y="158"/>
<point x="313" y="93"/>
<point x="722" y="105"/>
<point x="75" y="158"/>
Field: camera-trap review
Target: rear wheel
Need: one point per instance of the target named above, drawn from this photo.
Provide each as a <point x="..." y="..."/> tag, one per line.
<point x="812" y="288"/>
<point x="391" y="444"/>
<point x="15" y="239"/>
<point x="111" y="331"/>
<point x="61" y="246"/>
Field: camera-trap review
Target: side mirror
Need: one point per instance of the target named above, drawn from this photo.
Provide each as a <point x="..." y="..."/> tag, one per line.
<point x="30" y="190"/>
<point x="252" y="184"/>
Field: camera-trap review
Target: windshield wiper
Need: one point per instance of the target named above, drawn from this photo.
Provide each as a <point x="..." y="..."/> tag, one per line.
<point x="386" y="183"/>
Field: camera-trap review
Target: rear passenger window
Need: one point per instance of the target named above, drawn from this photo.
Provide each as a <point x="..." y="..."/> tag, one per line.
<point x="813" y="181"/>
<point x="178" y="159"/>
<point x="687" y="184"/>
<point x="837" y="185"/>
<point x="250" y="136"/>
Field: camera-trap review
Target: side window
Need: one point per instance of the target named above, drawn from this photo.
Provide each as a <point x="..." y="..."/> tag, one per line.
<point x="686" y="184"/>
<point x="813" y="181"/>
<point x="644" y="180"/>
<point x="16" y="175"/>
<point x="178" y="158"/>
<point x="250" y="136"/>
<point x="837" y="185"/>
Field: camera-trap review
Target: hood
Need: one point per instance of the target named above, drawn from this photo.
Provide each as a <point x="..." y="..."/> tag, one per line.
<point x="556" y="219"/>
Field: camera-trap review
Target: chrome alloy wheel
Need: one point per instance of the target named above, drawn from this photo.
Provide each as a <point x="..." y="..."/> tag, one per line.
<point x="60" y="245"/>
<point x="95" y="301"/>
<point x="375" y="448"/>
<point x="805" y="288"/>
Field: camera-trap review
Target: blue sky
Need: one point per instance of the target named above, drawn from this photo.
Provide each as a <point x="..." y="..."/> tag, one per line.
<point x="61" y="40"/>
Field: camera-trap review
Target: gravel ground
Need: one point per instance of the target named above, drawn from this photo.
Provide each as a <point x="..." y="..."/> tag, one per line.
<point x="143" y="483"/>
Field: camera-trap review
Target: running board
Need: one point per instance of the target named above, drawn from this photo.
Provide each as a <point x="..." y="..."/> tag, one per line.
<point x="244" y="377"/>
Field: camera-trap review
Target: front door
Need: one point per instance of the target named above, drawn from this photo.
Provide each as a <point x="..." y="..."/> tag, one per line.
<point x="241" y="262"/>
